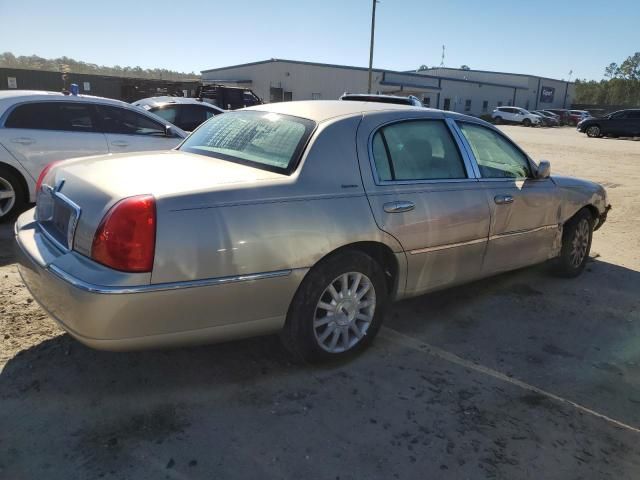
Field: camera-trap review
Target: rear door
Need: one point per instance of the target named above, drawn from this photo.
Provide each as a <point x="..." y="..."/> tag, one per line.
<point x="524" y="210"/>
<point x="129" y="131"/>
<point x="422" y="191"/>
<point x="37" y="133"/>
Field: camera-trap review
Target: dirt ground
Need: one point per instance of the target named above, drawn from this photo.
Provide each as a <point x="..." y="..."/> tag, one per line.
<point x="518" y="376"/>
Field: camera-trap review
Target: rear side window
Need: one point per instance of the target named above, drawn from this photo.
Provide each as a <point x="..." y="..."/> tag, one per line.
<point x="417" y="150"/>
<point x="66" y="116"/>
<point x="128" y="122"/>
<point x="497" y="157"/>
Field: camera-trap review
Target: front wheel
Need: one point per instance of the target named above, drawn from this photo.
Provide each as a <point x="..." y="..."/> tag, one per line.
<point x="338" y="309"/>
<point x="526" y="122"/>
<point x="594" y="131"/>
<point x="576" y="244"/>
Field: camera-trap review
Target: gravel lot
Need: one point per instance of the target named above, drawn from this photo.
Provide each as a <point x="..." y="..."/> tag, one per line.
<point x="519" y="376"/>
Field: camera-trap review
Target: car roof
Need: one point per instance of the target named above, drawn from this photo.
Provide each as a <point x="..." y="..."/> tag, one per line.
<point x="321" y="110"/>
<point x="14" y="96"/>
<point x="166" y="100"/>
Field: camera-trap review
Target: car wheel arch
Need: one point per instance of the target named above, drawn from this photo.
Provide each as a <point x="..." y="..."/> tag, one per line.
<point x="379" y="252"/>
<point x="23" y="181"/>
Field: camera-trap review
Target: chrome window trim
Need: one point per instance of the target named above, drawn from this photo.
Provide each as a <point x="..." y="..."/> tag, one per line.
<point x="463" y="155"/>
<point x="160" y="287"/>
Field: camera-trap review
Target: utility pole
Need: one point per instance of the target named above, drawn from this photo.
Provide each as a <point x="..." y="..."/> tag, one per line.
<point x="373" y="27"/>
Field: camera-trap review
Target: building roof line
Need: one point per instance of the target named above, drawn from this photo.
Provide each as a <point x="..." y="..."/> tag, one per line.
<point x="348" y="67"/>
<point x="491" y="71"/>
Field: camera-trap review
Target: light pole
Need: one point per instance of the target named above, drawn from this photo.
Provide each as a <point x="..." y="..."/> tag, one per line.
<point x="373" y="28"/>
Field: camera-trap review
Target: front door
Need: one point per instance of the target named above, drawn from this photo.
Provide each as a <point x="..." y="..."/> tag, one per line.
<point x="524" y="210"/>
<point x="424" y="194"/>
<point x="129" y="131"/>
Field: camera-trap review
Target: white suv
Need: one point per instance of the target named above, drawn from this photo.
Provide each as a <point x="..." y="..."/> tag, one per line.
<point x="516" y="115"/>
<point x="37" y="128"/>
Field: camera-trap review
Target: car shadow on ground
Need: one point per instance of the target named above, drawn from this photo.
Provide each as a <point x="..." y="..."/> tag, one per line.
<point x="524" y="323"/>
<point x="579" y="339"/>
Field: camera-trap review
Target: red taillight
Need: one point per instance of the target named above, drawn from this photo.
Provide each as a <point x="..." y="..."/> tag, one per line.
<point x="126" y="237"/>
<point x="43" y="174"/>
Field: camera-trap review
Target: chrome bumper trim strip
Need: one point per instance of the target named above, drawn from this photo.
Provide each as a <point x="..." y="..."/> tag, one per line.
<point x="159" y="287"/>
<point x="484" y="239"/>
<point x="448" y="245"/>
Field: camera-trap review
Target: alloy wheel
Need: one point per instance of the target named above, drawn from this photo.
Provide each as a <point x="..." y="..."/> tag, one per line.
<point x="7" y="197"/>
<point x="344" y="312"/>
<point x="580" y="243"/>
<point x="593" y="131"/>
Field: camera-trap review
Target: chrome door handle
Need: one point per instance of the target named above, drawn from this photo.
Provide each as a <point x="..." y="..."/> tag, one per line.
<point x="503" y="199"/>
<point x="120" y="143"/>
<point x="23" y="140"/>
<point x="399" y="206"/>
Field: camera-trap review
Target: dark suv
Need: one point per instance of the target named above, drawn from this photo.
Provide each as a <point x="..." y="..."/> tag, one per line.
<point x="623" y="123"/>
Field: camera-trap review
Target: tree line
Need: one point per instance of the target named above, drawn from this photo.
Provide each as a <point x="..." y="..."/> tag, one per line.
<point x="70" y="65"/>
<point x="621" y="85"/>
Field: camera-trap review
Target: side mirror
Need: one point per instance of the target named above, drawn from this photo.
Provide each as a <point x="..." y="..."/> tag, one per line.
<point x="168" y="131"/>
<point x="544" y="169"/>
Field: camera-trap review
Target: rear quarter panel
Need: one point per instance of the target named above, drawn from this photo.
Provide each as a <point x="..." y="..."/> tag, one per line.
<point x="289" y="223"/>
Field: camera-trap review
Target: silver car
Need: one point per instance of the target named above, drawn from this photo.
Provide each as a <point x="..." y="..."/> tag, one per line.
<point x="305" y="218"/>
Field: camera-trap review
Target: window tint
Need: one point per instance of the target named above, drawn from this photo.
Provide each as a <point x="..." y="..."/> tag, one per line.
<point x="635" y="114"/>
<point x="68" y="116"/>
<point x="125" y="121"/>
<point x="168" y="113"/>
<point x="497" y="157"/>
<point x="417" y="150"/>
<point x="191" y="116"/>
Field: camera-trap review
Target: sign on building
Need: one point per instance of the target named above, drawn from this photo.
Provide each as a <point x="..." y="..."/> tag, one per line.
<point x="12" y="82"/>
<point x="546" y="94"/>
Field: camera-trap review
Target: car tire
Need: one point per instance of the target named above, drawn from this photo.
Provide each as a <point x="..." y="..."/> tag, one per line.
<point x="526" y="122"/>
<point x="576" y="245"/>
<point x="497" y="120"/>
<point x="309" y="332"/>
<point x="594" y="131"/>
<point x="12" y="194"/>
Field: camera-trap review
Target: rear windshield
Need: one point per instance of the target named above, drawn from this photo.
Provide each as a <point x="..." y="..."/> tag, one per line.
<point x="260" y="139"/>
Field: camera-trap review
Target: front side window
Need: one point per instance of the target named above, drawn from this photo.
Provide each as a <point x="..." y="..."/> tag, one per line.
<point x="497" y="157"/>
<point x="264" y="140"/>
<point x="128" y="122"/>
<point x="167" y="112"/>
<point x="193" y="115"/>
<point x="67" y="116"/>
<point x="417" y="150"/>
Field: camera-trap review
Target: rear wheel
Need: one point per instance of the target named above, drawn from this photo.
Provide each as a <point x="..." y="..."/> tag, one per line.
<point x="576" y="244"/>
<point x="498" y="120"/>
<point x="12" y="194"/>
<point x="526" y="122"/>
<point x="338" y="308"/>
<point x="594" y="131"/>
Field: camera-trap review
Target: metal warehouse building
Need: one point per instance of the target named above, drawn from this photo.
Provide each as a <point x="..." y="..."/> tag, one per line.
<point x="473" y="92"/>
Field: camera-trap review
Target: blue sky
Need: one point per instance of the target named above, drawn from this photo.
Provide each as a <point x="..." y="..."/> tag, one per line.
<point x="541" y="37"/>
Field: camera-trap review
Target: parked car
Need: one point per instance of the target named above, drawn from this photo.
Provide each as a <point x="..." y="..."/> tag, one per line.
<point x="39" y="127"/>
<point x="548" y="119"/>
<point x="623" y="123"/>
<point x="578" y="115"/>
<point x="565" y="116"/>
<point x="306" y="218"/>
<point x="410" y="100"/>
<point x="186" y="113"/>
<point x="228" y="98"/>
<point x="515" y="115"/>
